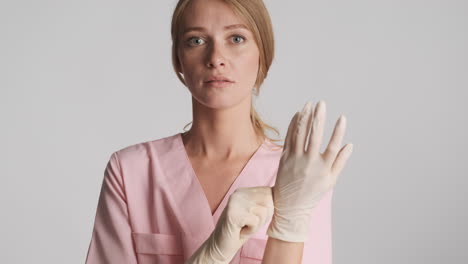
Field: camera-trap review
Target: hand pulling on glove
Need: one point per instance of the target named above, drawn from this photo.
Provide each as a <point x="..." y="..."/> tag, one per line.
<point x="247" y="210"/>
<point x="304" y="174"/>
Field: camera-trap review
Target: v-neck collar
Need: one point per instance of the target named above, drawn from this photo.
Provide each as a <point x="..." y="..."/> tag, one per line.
<point x="237" y="181"/>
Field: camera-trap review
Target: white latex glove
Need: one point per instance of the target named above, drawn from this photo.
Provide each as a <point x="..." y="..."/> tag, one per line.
<point x="247" y="210"/>
<point x="305" y="174"/>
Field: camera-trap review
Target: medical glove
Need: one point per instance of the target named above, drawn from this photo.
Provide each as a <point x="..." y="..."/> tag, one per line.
<point x="247" y="210"/>
<point x="304" y="174"/>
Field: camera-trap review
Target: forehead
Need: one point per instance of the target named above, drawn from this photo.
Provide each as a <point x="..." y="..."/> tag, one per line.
<point x="211" y="14"/>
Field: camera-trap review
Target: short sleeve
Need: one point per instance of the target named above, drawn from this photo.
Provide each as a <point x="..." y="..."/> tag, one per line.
<point x="111" y="240"/>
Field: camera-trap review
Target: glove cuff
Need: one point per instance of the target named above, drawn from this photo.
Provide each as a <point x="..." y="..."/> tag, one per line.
<point x="291" y="229"/>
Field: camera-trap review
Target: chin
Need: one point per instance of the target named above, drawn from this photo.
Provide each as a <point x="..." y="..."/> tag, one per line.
<point x="218" y="103"/>
<point x="220" y="100"/>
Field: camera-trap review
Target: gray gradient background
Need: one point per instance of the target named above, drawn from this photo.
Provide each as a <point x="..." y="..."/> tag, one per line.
<point x="82" y="79"/>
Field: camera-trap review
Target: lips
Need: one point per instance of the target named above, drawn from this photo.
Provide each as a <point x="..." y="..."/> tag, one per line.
<point x="218" y="78"/>
<point x="218" y="84"/>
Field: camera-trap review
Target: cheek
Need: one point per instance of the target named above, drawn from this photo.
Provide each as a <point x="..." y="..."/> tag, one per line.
<point x="249" y="66"/>
<point x="188" y="66"/>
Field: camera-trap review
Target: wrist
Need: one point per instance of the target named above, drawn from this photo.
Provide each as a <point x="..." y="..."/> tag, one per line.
<point x="213" y="253"/>
<point x="289" y="227"/>
<point x="205" y="254"/>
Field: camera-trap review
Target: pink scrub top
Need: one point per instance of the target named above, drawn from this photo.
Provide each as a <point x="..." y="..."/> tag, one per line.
<point x="152" y="208"/>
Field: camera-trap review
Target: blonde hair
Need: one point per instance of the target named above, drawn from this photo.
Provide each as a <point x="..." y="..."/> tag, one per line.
<point x="258" y="21"/>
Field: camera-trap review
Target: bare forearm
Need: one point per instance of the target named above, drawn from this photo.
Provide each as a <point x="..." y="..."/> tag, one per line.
<point x="280" y="252"/>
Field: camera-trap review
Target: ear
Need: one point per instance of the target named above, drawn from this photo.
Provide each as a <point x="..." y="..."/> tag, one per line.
<point x="178" y="67"/>
<point x="177" y="64"/>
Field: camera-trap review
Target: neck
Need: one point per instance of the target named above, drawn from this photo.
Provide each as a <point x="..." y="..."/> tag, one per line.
<point x="221" y="134"/>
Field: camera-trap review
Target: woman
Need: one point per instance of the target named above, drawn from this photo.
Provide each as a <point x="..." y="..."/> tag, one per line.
<point x="204" y="196"/>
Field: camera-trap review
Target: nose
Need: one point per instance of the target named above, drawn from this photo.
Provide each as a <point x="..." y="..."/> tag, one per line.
<point x="215" y="57"/>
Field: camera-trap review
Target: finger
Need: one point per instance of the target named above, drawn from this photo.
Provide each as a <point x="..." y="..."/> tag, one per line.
<point x="250" y="224"/>
<point x="335" y="142"/>
<point x="301" y="128"/>
<point x="262" y="212"/>
<point x="288" y="141"/>
<point x="259" y="195"/>
<point x="316" y="134"/>
<point x="256" y="189"/>
<point x="341" y="160"/>
<point x="310" y="120"/>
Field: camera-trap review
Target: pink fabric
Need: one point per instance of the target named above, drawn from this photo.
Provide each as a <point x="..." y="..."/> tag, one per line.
<point x="152" y="208"/>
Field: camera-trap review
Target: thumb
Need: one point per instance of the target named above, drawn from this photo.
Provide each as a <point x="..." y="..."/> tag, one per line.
<point x="251" y="223"/>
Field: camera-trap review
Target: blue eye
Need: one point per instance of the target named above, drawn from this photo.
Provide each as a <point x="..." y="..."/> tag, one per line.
<point x="239" y="36"/>
<point x="200" y="39"/>
<point x="190" y="42"/>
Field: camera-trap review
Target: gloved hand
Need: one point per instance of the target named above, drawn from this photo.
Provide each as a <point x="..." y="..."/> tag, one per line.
<point x="247" y="210"/>
<point x="304" y="174"/>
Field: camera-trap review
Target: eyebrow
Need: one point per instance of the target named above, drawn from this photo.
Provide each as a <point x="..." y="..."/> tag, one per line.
<point x="225" y="28"/>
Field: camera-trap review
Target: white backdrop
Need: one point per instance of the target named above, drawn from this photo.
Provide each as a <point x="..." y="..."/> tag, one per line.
<point x="82" y="79"/>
